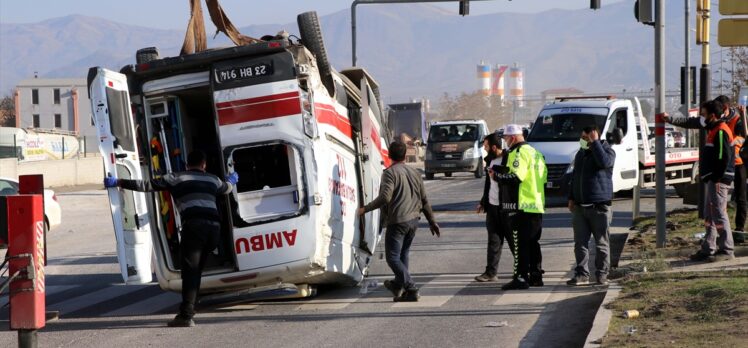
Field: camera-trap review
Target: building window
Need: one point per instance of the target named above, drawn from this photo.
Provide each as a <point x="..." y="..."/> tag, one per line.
<point x="36" y="120"/>
<point x="35" y="96"/>
<point x="57" y="96"/>
<point x="58" y="121"/>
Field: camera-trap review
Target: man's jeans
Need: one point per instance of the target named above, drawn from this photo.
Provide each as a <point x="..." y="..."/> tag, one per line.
<point x="716" y="222"/>
<point x="397" y="240"/>
<point x="592" y="221"/>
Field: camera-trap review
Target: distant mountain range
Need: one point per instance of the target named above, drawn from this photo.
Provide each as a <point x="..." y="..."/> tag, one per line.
<point x="412" y="50"/>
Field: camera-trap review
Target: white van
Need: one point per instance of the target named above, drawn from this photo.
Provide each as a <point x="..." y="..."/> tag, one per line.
<point x="455" y="146"/>
<point x="308" y="143"/>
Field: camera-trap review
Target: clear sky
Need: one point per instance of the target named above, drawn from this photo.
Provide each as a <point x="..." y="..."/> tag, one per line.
<point x="173" y="14"/>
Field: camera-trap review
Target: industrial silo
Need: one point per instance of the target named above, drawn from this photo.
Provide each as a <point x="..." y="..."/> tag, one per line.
<point x="516" y="84"/>
<point x="484" y="78"/>
<point x="497" y="83"/>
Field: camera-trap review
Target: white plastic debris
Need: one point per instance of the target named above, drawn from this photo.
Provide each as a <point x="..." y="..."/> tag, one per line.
<point x="496" y="324"/>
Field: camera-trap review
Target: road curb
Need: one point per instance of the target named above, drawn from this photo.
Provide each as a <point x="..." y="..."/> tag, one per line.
<point x="602" y="318"/>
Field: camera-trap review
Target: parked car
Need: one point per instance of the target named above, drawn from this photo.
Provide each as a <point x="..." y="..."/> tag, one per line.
<point x="52" y="210"/>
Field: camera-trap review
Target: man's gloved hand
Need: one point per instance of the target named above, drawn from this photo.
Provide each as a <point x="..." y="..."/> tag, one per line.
<point x="435" y="231"/>
<point x="110" y="181"/>
<point x="233" y="178"/>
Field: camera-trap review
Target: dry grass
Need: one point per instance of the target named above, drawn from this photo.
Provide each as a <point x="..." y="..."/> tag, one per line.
<point x="682" y="310"/>
<point x="682" y="225"/>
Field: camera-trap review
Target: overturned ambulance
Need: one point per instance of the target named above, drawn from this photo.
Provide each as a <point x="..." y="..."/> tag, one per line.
<point x="307" y="141"/>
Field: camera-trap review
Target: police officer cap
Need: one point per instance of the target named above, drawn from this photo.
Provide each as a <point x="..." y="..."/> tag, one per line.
<point x="512" y="129"/>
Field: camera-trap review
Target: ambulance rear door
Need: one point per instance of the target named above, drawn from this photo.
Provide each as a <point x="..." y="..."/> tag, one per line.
<point x="110" y="102"/>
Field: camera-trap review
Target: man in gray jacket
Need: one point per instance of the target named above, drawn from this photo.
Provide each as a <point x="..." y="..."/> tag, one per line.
<point x="403" y="197"/>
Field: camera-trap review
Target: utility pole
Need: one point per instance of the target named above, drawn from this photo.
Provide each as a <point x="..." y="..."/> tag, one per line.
<point x="687" y="99"/>
<point x="660" y="121"/>
<point x="705" y="83"/>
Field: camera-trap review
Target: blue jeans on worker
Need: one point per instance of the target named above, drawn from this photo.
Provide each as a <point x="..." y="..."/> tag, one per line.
<point x="397" y="241"/>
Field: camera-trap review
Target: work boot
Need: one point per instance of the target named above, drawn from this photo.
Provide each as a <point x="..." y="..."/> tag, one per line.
<point x="410" y="295"/>
<point x="739" y="236"/>
<point x="701" y="256"/>
<point x="396" y="290"/>
<point x="602" y="279"/>
<point x="721" y="255"/>
<point x="485" y="277"/>
<point x="516" y="284"/>
<point x="181" y="321"/>
<point x="536" y="279"/>
<point x="578" y="280"/>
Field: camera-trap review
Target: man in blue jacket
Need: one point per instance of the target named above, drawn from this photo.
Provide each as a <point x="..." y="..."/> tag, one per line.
<point x="590" y="197"/>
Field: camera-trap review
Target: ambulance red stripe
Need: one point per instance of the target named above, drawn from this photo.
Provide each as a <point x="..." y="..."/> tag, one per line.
<point x="256" y="109"/>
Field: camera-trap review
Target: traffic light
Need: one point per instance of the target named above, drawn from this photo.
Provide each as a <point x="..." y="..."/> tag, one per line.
<point x="595" y="4"/>
<point x="464" y="7"/>
<point x="644" y="12"/>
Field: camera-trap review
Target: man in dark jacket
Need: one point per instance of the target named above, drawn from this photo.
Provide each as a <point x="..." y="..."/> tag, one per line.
<point x="497" y="221"/>
<point x="716" y="166"/>
<point x="404" y="196"/>
<point x="194" y="192"/>
<point x="590" y="194"/>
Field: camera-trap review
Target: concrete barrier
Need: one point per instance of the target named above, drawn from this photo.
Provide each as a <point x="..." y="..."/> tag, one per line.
<point x="57" y="173"/>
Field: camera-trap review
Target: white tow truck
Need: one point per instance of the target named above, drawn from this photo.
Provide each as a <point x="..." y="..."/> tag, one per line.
<point x="558" y="128"/>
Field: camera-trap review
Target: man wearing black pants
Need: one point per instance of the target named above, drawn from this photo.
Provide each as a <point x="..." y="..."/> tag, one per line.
<point x="497" y="221"/>
<point x="402" y="193"/>
<point x="194" y="192"/>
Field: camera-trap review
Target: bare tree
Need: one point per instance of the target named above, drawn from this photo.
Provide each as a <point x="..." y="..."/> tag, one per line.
<point x="739" y="69"/>
<point x="7" y="112"/>
<point x="475" y="106"/>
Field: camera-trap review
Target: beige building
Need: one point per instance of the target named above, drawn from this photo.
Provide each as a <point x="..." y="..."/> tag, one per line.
<point x="56" y="104"/>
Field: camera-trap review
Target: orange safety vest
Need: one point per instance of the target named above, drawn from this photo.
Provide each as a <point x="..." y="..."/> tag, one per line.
<point x="738" y="140"/>
<point x="714" y="131"/>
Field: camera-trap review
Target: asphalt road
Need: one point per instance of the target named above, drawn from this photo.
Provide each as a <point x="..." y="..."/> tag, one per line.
<point x="83" y="283"/>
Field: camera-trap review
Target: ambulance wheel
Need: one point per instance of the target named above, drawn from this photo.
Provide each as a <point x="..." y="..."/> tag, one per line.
<point x="145" y="55"/>
<point x="429" y="176"/>
<point x="311" y="37"/>
<point x="478" y="171"/>
<point x="448" y="175"/>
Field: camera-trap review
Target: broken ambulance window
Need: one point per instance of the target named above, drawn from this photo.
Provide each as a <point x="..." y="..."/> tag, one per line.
<point x="262" y="167"/>
<point x="268" y="181"/>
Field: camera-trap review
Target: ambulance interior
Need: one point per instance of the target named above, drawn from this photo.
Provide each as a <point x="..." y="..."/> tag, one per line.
<point x="178" y="122"/>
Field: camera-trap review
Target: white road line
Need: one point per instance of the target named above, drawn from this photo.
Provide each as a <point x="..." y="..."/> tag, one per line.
<point x="151" y="305"/>
<point x="49" y="289"/>
<point x="533" y="295"/>
<point x="438" y="291"/>
<point x="88" y="299"/>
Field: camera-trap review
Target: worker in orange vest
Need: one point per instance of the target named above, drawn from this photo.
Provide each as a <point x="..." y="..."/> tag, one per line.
<point x="735" y="122"/>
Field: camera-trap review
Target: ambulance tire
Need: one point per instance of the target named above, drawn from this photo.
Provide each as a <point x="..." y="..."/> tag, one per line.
<point x="429" y="176"/>
<point x="311" y="37"/>
<point x="145" y="55"/>
<point x="448" y="175"/>
<point x="478" y="171"/>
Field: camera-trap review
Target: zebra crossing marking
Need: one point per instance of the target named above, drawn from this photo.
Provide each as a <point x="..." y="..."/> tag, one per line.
<point x="150" y="305"/>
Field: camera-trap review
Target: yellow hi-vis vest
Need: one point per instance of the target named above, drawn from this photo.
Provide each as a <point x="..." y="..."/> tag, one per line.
<point x="529" y="166"/>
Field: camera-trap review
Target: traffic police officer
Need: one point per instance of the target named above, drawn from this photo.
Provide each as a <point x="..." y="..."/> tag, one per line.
<point x="522" y="179"/>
